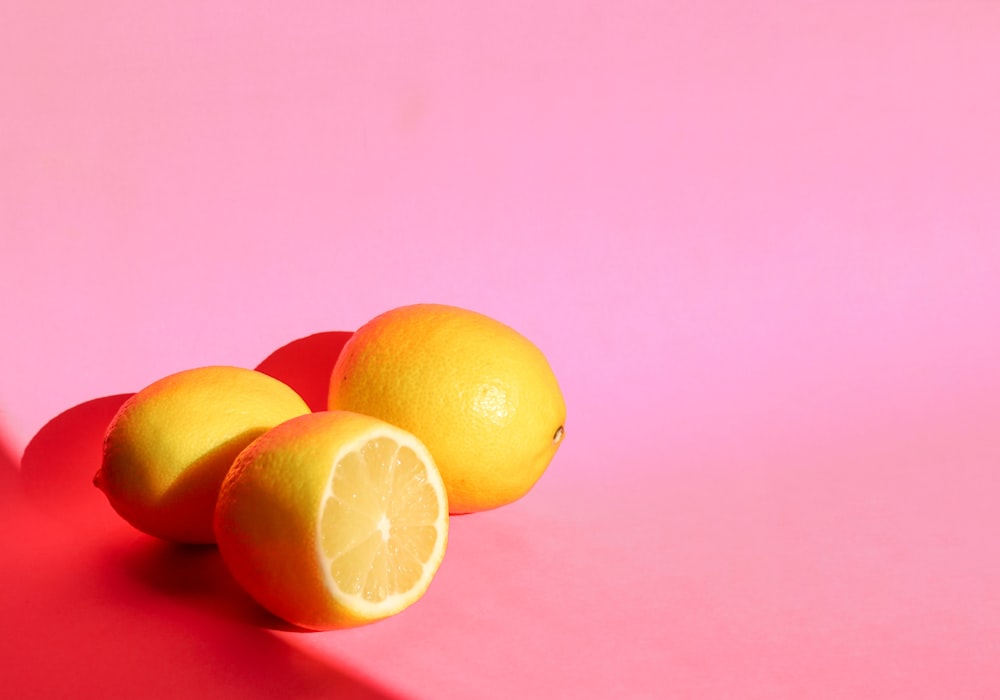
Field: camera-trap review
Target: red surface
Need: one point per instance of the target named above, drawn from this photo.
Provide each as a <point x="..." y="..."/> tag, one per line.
<point x="758" y="244"/>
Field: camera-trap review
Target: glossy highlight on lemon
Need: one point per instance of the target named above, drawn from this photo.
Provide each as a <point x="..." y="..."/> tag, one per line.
<point x="478" y="394"/>
<point x="169" y="446"/>
<point x="333" y="520"/>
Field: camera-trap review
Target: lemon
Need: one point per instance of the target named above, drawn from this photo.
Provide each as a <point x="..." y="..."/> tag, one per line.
<point x="169" y="446"/>
<point x="333" y="520"/>
<point x="478" y="394"/>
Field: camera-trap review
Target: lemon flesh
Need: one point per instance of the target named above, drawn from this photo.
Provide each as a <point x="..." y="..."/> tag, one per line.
<point x="378" y="524"/>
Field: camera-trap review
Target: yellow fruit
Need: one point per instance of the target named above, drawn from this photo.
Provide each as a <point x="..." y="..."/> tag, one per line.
<point x="479" y="395"/>
<point x="333" y="520"/>
<point x="170" y="445"/>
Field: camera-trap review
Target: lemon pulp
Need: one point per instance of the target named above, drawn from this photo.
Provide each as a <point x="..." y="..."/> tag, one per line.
<point x="378" y="525"/>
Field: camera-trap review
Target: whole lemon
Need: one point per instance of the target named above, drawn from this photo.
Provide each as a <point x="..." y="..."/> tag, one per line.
<point x="170" y="445"/>
<point x="477" y="393"/>
<point x="333" y="520"/>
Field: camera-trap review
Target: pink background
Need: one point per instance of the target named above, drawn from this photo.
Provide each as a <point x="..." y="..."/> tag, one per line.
<point x="759" y="242"/>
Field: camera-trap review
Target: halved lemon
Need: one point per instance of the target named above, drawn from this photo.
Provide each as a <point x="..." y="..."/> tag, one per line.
<point x="333" y="519"/>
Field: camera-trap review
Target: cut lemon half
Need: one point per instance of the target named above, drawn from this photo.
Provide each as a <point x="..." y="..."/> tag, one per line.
<point x="333" y="519"/>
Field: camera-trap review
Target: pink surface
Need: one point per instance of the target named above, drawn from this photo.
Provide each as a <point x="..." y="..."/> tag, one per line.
<point x="758" y="242"/>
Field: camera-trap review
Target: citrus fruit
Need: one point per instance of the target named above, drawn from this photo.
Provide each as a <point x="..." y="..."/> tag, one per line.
<point x="478" y="394"/>
<point x="169" y="446"/>
<point x="333" y="520"/>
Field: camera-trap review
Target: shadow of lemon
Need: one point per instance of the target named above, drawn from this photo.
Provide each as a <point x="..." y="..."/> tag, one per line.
<point x="59" y="463"/>
<point x="305" y="365"/>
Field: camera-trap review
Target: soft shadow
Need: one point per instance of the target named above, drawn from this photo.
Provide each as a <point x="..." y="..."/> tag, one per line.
<point x="197" y="575"/>
<point x="8" y="469"/>
<point x="172" y="599"/>
<point x="60" y="461"/>
<point x="305" y="365"/>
